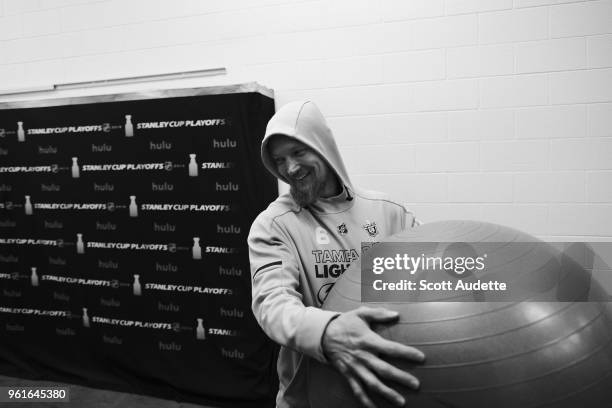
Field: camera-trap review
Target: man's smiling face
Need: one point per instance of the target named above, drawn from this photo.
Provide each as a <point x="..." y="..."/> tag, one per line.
<point x="309" y="176"/>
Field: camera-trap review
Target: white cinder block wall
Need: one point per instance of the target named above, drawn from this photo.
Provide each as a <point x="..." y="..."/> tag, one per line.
<point x="497" y="110"/>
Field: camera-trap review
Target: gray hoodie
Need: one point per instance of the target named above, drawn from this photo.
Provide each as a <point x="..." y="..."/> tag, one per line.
<point x="304" y="122"/>
<point x="297" y="254"/>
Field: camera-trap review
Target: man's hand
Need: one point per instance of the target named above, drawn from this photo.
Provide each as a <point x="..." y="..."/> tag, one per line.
<point x="353" y="349"/>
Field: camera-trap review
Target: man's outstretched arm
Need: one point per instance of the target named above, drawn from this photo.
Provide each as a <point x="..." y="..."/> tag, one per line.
<point x="277" y="301"/>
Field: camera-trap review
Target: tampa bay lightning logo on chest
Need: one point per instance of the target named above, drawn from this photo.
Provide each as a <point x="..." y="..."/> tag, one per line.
<point x="324" y="291"/>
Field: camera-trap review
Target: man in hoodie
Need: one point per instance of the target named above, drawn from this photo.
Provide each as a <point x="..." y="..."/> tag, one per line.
<point x="299" y="246"/>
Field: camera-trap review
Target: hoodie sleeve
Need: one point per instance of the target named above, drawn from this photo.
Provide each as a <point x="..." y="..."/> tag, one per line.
<point x="277" y="301"/>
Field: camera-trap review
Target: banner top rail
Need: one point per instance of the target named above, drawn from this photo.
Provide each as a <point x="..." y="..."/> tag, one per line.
<point x="248" y="87"/>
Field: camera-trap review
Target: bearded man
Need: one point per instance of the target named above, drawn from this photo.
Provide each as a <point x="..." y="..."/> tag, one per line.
<point x="298" y="240"/>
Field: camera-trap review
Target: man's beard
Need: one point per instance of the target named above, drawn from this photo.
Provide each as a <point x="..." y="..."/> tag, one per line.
<point x="305" y="194"/>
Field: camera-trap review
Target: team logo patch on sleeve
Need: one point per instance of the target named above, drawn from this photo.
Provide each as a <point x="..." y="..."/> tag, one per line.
<point x="370" y="228"/>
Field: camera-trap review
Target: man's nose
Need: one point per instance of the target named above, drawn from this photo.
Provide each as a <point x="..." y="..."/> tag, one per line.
<point x="292" y="166"/>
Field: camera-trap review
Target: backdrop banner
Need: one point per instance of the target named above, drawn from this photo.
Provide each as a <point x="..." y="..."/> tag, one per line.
<point x="123" y="255"/>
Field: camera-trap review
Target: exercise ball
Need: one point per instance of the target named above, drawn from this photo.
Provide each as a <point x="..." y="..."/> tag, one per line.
<point x="511" y="354"/>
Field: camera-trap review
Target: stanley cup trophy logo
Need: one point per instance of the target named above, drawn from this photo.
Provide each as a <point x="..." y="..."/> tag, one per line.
<point x="193" y="165"/>
<point x="75" y="168"/>
<point x="136" y="285"/>
<point x="20" y="132"/>
<point x="28" y="205"/>
<point x="34" y="277"/>
<point x="196" y="251"/>
<point x="80" y="245"/>
<point x="133" y="206"/>
<point x="85" y="318"/>
<point x="200" y="334"/>
<point x="129" y="128"/>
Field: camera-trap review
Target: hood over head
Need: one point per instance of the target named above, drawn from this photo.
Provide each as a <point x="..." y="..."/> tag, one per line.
<point x="303" y="121"/>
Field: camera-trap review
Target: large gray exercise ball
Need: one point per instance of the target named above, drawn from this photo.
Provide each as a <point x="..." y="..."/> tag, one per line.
<point x="514" y="354"/>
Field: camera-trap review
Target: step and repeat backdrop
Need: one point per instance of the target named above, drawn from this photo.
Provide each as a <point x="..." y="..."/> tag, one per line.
<point x="123" y="256"/>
